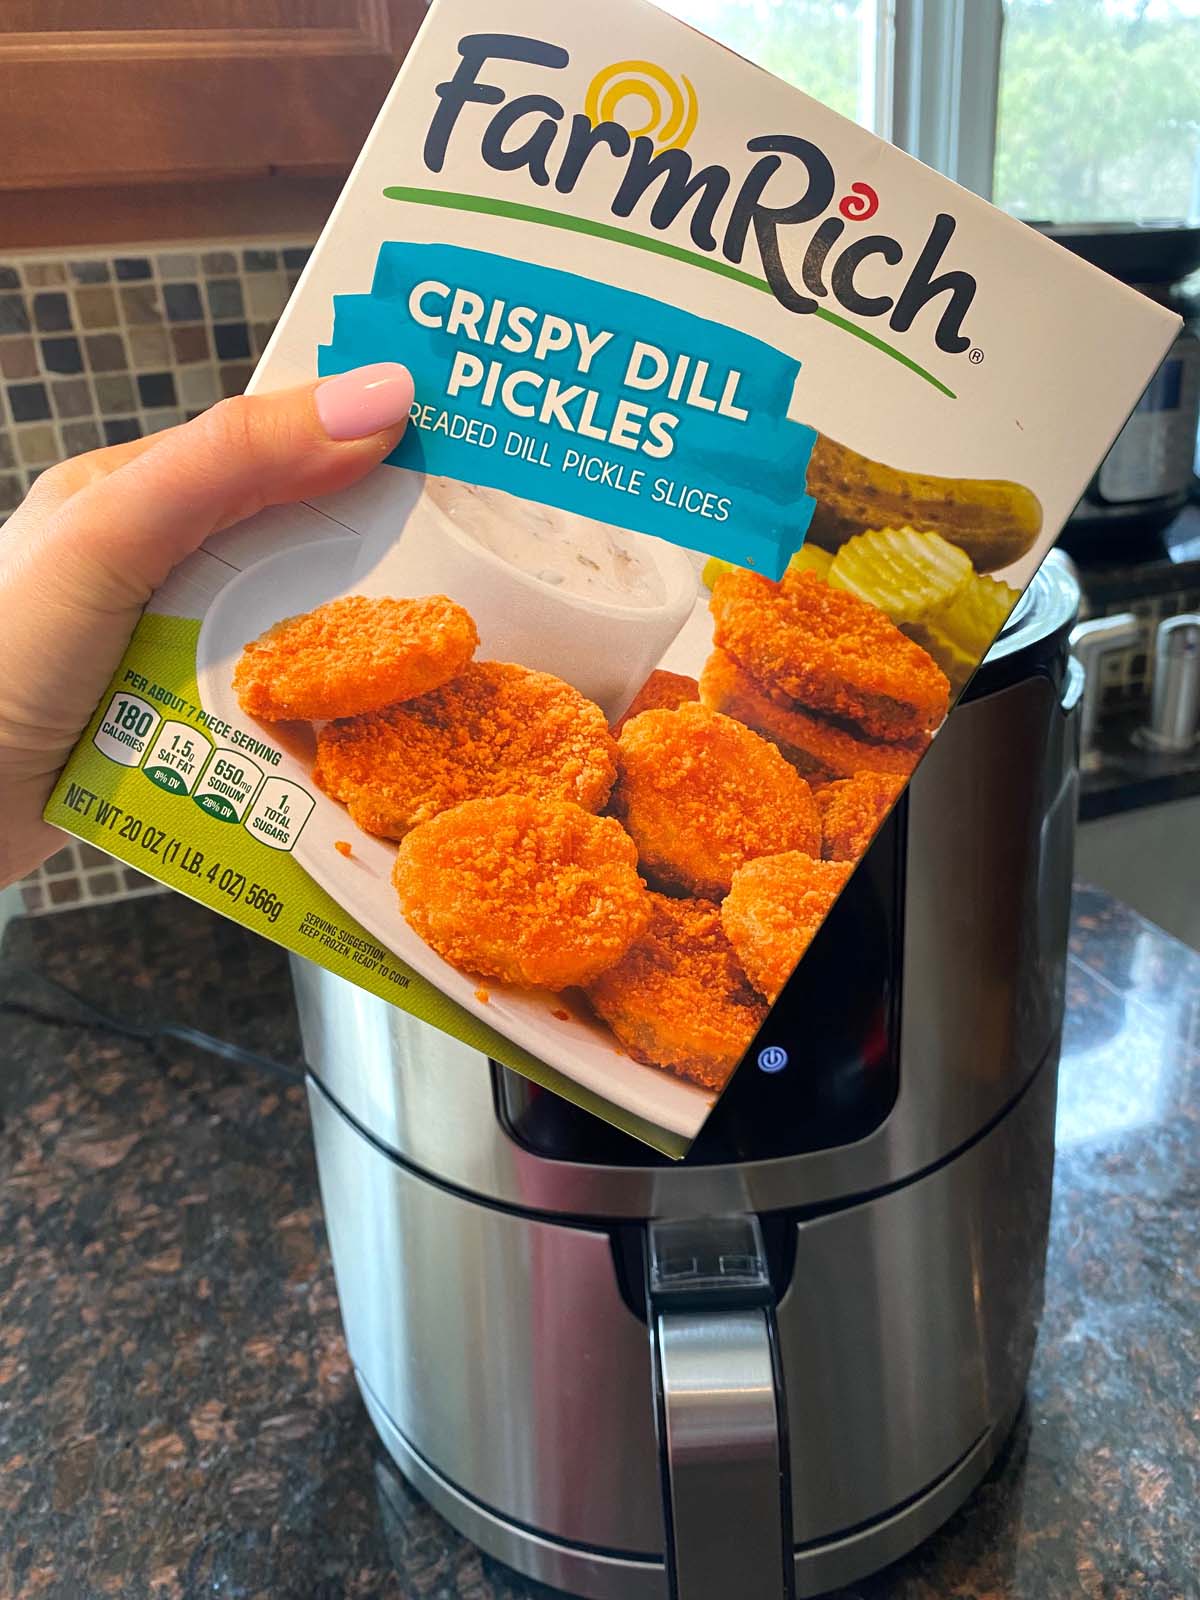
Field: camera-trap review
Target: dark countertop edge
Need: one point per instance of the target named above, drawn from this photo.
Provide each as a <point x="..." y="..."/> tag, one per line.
<point x="1110" y="794"/>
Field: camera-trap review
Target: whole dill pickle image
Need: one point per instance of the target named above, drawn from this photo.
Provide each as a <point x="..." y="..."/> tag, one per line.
<point x="995" y="522"/>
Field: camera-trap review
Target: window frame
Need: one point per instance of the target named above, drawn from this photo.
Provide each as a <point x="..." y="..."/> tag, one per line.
<point x="945" y="84"/>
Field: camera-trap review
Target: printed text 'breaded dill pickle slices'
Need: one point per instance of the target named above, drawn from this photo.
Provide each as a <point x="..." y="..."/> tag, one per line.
<point x="906" y="574"/>
<point x="996" y="522"/>
<point x="959" y="634"/>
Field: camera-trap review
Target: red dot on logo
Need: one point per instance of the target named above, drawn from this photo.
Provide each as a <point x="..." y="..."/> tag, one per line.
<point x="862" y="202"/>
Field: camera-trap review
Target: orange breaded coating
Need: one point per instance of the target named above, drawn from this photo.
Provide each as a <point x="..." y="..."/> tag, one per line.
<point x="662" y="691"/>
<point x="534" y="892"/>
<point x="496" y="729"/>
<point x="776" y="905"/>
<point x="680" y="999"/>
<point x="701" y="794"/>
<point x="835" y="654"/>
<point x="851" y="811"/>
<point x="815" y="746"/>
<point x="353" y="655"/>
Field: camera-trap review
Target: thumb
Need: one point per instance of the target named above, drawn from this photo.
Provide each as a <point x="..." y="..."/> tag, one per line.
<point x="131" y="527"/>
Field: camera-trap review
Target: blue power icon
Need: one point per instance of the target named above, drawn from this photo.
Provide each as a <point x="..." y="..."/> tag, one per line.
<point x="772" y="1058"/>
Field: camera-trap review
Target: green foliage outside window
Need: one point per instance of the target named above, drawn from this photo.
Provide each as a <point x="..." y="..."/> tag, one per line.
<point x="1099" y="115"/>
<point x="1099" y="110"/>
<point x="811" y="43"/>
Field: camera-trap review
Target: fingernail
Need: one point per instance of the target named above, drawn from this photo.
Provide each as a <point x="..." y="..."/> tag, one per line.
<point x="367" y="400"/>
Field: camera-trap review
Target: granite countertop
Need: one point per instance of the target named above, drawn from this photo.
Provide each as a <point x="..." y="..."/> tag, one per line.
<point x="178" y="1416"/>
<point x="1128" y="776"/>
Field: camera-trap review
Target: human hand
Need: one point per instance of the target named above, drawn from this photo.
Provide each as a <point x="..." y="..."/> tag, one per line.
<point x="98" y="534"/>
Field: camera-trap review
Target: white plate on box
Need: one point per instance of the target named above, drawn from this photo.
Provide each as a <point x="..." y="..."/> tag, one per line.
<point x="296" y="580"/>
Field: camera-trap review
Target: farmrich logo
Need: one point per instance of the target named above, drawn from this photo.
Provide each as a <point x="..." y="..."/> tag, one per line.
<point x="635" y="124"/>
<point x="672" y="105"/>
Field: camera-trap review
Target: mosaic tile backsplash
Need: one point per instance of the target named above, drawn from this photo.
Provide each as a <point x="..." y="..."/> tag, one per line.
<point x="100" y="347"/>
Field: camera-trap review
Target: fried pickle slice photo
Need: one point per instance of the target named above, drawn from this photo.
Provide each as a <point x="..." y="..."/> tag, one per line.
<point x="353" y="655"/>
<point x="819" y="749"/>
<point x="679" y="998"/>
<point x="832" y="653"/>
<point x="662" y="691"/>
<point x="774" y="909"/>
<point x="701" y="793"/>
<point x="495" y="729"/>
<point x="851" y="811"/>
<point x="538" y="893"/>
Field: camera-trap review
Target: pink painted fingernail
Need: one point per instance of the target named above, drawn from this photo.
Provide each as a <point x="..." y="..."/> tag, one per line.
<point x="367" y="400"/>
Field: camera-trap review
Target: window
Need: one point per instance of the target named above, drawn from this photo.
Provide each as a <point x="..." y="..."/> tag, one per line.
<point x="1099" y="110"/>
<point x="1059" y="110"/>
<point x="828" y="48"/>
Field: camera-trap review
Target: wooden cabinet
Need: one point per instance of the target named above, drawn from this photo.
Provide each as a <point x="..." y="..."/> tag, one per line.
<point x="126" y="119"/>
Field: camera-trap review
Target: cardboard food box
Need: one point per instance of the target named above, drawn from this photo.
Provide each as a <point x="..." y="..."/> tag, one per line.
<point x="737" y="435"/>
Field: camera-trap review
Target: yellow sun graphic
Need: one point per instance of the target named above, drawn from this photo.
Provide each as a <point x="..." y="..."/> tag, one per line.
<point x="671" y="105"/>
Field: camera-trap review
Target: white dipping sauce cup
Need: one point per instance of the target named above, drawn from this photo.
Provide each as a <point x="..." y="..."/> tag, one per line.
<point x="605" y="649"/>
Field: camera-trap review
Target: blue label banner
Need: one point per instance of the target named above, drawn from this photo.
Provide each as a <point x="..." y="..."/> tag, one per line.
<point x="587" y="397"/>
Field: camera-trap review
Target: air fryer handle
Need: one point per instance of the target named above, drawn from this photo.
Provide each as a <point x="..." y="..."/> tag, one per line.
<point x="726" y="1487"/>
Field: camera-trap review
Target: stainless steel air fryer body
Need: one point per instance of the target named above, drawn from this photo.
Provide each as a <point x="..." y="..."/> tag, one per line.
<point x="779" y="1364"/>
